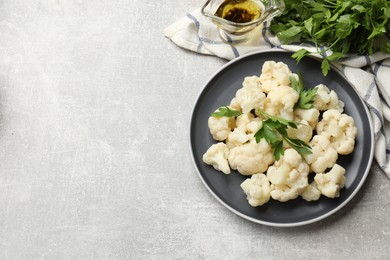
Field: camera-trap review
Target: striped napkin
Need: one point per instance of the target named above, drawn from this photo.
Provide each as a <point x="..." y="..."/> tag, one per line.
<point x="370" y="75"/>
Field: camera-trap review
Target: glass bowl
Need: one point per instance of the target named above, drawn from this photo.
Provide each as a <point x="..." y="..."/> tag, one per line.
<point x="236" y="19"/>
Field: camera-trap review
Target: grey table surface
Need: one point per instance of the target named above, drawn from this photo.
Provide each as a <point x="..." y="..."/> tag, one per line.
<point x="94" y="146"/>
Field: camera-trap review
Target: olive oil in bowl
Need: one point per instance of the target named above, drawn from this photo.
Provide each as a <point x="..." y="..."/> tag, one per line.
<point x="239" y="11"/>
<point x="237" y="19"/>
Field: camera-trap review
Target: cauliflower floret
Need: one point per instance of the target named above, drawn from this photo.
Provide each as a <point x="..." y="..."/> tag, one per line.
<point x="283" y="192"/>
<point x="311" y="192"/>
<point x="216" y="156"/>
<point x="249" y="123"/>
<point x="281" y="101"/>
<point x="250" y="96"/>
<point x="221" y="127"/>
<point x="326" y="99"/>
<point x="234" y="104"/>
<point x="251" y="157"/>
<point x="309" y="115"/>
<point x="257" y="189"/>
<point x="273" y="75"/>
<point x="288" y="176"/>
<point x="237" y="137"/>
<point x="340" y="129"/>
<point x="251" y="82"/>
<point x="247" y="126"/>
<point x="323" y="154"/>
<point x="253" y="126"/>
<point x="304" y="132"/>
<point x="330" y="183"/>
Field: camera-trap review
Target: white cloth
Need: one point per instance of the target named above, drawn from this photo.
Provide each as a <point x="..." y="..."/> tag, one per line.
<point x="370" y="75"/>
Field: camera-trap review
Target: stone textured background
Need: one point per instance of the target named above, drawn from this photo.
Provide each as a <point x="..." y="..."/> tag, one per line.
<point x="94" y="146"/>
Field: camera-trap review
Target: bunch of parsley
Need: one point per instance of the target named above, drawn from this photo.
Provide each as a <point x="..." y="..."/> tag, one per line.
<point x="345" y="27"/>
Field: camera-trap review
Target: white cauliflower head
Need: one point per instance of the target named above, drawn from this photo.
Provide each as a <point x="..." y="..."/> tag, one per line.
<point x="257" y="189"/>
<point x="309" y="115"/>
<point x="281" y="101"/>
<point x="323" y="154"/>
<point x="216" y="156"/>
<point x="330" y="183"/>
<point x="221" y="127"/>
<point x="311" y="192"/>
<point x="250" y="96"/>
<point x="273" y="75"/>
<point x="251" y="157"/>
<point x="288" y="176"/>
<point x="340" y="129"/>
<point x="326" y="99"/>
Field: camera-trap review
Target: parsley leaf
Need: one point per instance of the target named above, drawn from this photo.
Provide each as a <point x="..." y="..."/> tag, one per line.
<point x="278" y="149"/>
<point x="325" y="66"/>
<point x="226" y="111"/>
<point x="297" y="84"/>
<point x="278" y="120"/>
<point x="306" y="97"/>
<point x="290" y="35"/>
<point x="266" y="132"/>
<point x="300" y="54"/>
<point x="298" y="145"/>
<point x="274" y="131"/>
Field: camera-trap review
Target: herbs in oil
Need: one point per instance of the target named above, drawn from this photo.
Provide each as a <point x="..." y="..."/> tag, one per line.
<point x="239" y="11"/>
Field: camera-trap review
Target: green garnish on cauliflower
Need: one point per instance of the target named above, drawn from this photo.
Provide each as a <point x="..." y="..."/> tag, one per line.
<point x="278" y="132"/>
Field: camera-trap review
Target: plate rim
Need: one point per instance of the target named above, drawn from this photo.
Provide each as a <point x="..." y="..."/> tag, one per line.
<point x="268" y="223"/>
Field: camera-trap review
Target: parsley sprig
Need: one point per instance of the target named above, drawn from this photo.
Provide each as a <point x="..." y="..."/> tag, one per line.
<point x="306" y="96"/>
<point x="226" y="111"/>
<point x="274" y="131"/>
<point x="344" y="27"/>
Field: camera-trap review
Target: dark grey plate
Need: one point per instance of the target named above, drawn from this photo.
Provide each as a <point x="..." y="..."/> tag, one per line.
<point x="219" y="91"/>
